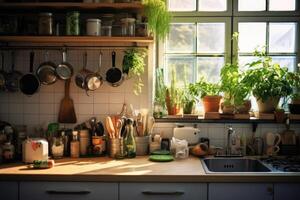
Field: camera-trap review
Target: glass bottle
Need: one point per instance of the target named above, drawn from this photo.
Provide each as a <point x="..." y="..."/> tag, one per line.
<point x="75" y="145"/>
<point x="129" y="141"/>
<point x="72" y="26"/>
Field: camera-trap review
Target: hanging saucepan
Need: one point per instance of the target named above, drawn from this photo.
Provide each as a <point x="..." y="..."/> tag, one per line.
<point x="3" y="74"/>
<point x="80" y="76"/>
<point x="46" y="71"/>
<point x="13" y="77"/>
<point x="94" y="81"/>
<point x="29" y="83"/>
<point x="64" y="70"/>
<point x="114" y="75"/>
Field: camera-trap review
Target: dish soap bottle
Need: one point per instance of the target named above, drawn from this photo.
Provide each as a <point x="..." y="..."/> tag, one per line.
<point x="129" y="141"/>
<point x="75" y="145"/>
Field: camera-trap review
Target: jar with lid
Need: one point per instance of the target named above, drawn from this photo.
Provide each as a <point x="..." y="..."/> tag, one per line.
<point x="57" y="147"/>
<point x="45" y="24"/>
<point x="128" y="27"/>
<point x="93" y="27"/>
<point x="72" y="23"/>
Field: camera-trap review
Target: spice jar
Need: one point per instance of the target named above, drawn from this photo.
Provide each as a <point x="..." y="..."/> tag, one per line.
<point x="93" y="27"/>
<point x="128" y="26"/>
<point x="74" y="151"/>
<point x="72" y="23"/>
<point x="45" y="24"/>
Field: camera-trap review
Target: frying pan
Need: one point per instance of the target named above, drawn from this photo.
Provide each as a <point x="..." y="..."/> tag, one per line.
<point x="3" y="74"/>
<point x="13" y="77"/>
<point x="114" y="75"/>
<point x="64" y="70"/>
<point x="29" y="83"/>
<point x="46" y="71"/>
<point x="94" y="80"/>
<point x="80" y="76"/>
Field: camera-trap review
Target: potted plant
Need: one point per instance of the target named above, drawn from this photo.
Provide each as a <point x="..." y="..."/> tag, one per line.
<point x="158" y="17"/>
<point x="188" y="101"/>
<point x="134" y="67"/>
<point x="173" y="96"/>
<point x="209" y="93"/>
<point x="268" y="81"/>
<point x="294" y="106"/>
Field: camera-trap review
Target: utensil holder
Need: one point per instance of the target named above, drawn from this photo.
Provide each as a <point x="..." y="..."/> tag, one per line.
<point x="142" y="145"/>
<point x="115" y="145"/>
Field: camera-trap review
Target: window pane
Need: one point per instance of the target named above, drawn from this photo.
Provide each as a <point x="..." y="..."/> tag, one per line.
<point x="181" y="38"/>
<point x="184" y="68"/>
<point x="281" y="5"/>
<point x="286" y="61"/>
<point x="252" y="5"/>
<point x="251" y="36"/>
<point x="211" y="37"/>
<point x="212" y="5"/>
<point x="210" y="68"/>
<point x="282" y="37"/>
<point x="182" y="5"/>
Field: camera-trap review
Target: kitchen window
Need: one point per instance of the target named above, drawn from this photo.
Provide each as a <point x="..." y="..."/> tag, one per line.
<point x="200" y="40"/>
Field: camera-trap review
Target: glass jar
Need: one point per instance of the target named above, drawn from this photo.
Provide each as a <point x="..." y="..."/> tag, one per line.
<point x="142" y="29"/>
<point x="72" y="23"/>
<point x="45" y="24"/>
<point x="106" y="31"/>
<point x="57" y="147"/>
<point x="93" y="27"/>
<point x="128" y="27"/>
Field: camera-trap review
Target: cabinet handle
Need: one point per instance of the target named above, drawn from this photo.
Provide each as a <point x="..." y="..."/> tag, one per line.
<point x="176" y="193"/>
<point x="83" y="192"/>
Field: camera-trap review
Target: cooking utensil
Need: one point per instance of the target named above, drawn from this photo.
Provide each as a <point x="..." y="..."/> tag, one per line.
<point x="64" y="70"/>
<point x="3" y="74"/>
<point x="114" y="75"/>
<point x="118" y="128"/>
<point x="150" y="125"/>
<point x="13" y="77"/>
<point x="67" y="112"/>
<point x="80" y="76"/>
<point x="29" y="83"/>
<point x="110" y="127"/>
<point x="94" y="80"/>
<point x="46" y="71"/>
<point x="99" y="129"/>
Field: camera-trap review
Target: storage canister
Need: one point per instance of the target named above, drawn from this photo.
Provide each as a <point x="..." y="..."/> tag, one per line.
<point x="93" y="27"/>
<point x="72" y="23"/>
<point x="45" y="24"/>
<point x="84" y="141"/>
<point x="128" y="27"/>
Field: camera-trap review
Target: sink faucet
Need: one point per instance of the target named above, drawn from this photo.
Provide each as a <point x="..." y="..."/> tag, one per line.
<point x="229" y="133"/>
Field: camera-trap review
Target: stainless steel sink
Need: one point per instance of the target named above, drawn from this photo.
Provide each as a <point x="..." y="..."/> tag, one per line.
<point x="232" y="165"/>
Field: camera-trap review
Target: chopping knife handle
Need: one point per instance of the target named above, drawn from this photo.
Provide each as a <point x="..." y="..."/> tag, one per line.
<point x="65" y="192"/>
<point x="160" y="193"/>
<point x="31" y="61"/>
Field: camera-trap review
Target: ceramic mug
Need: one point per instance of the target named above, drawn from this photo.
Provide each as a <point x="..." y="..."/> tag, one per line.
<point x="272" y="142"/>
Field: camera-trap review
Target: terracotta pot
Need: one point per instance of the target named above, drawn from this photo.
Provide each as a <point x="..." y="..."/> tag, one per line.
<point x="279" y="116"/>
<point x="245" y="108"/>
<point x="173" y="110"/>
<point x="188" y="107"/>
<point x="211" y="103"/>
<point x="267" y="106"/>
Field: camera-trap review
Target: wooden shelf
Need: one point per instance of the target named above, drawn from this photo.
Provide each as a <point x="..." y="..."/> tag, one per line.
<point x="69" y="6"/>
<point x="73" y="39"/>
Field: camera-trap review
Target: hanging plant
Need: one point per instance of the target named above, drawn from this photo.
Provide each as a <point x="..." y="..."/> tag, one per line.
<point x="134" y="67"/>
<point x="158" y="17"/>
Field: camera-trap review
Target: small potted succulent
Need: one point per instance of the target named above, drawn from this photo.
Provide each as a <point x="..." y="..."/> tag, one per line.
<point x="173" y="96"/>
<point x="209" y="93"/>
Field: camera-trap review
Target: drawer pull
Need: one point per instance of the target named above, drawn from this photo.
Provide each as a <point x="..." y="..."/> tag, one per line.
<point x="60" y="192"/>
<point x="176" y="193"/>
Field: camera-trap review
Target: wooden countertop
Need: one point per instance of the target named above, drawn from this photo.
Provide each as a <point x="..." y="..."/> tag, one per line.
<point x="131" y="170"/>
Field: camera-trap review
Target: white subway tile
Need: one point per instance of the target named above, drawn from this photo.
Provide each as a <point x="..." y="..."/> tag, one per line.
<point x="100" y="109"/>
<point x="116" y="98"/>
<point x="46" y="88"/>
<point x="16" y="108"/>
<point x="31" y="108"/>
<point x="4" y="108"/>
<point x="4" y="97"/>
<point x="16" y="119"/>
<point x="16" y="97"/>
<point x="46" y="97"/>
<point x="31" y="119"/>
<point x="101" y="98"/>
<point x="83" y="98"/>
<point x="115" y="109"/>
<point x="48" y="109"/>
<point x="85" y="109"/>
<point x="35" y="98"/>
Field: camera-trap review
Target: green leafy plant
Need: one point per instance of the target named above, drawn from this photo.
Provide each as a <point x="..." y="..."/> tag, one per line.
<point x="268" y="79"/>
<point x="203" y="88"/>
<point x="173" y="95"/>
<point x="158" y="17"/>
<point x="134" y="66"/>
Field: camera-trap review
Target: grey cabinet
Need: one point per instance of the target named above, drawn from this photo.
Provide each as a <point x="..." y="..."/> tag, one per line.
<point x="240" y="191"/>
<point x="9" y="190"/>
<point x="163" y="191"/>
<point x="68" y="191"/>
<point x="286" y="191"/>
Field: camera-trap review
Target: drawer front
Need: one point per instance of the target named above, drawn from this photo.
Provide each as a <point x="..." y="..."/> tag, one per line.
<point x="163" y="191"/>
<point x="68" y="191"/>
<point x="9" y="190"/>
<point x="284" y="191"/>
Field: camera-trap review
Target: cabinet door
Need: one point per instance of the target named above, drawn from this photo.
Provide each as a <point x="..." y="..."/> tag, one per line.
<point x="9" y="190"/>
<point x="163" y="191"/>
<point x="68" y="191"/>
<point x="240" y="191"/>
<point x="284" y="191"/>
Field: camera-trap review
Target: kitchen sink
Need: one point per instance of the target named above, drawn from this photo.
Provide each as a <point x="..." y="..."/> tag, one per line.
<point x="232" y="165"/>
